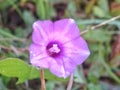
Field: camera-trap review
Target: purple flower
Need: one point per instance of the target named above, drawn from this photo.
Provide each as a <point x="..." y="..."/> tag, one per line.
<point x="57" y="46"/>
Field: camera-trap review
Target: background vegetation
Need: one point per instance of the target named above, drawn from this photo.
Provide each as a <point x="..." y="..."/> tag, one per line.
<point x="102" y="69"/>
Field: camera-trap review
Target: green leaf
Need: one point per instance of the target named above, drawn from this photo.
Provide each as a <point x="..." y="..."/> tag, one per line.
<point x="50" y="85"/>
<point x="14" y="67"/>
<point x="43" y="9"/>
<point x="79" y="78"/>
<point x="104" y="5"/>
<point x="92" y="86"/>
<point x="28" y="18"/>
<point x="99" y="12"/>
<point x="98" y="36"/>
<point x="40" y="7"/>
<point x="50" y="76"/>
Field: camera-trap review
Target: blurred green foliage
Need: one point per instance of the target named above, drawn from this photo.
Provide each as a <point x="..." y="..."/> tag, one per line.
<point x="16" y="18"/>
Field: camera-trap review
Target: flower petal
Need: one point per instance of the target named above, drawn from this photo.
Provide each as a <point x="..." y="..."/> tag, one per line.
<point x="62" y="67"/>
<point x="38" y="56"/>
<point x="66" y="29"/>
<point x="69" y="66"/>
<point x="57" y="68"/>
<point x="42" y="30"/>
<point x="77" y="49"/>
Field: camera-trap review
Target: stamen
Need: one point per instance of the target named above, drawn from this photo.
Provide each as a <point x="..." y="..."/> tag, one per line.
<point x="54" y="49"/>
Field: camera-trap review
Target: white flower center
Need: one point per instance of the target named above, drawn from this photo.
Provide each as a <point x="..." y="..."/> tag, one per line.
<point x="54" y="49"/>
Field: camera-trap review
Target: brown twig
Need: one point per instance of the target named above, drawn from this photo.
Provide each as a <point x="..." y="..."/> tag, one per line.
<point x="99" y="25"/>
<point x="43" y="87"/>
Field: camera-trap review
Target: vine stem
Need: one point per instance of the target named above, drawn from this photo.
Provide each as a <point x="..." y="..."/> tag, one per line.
<point x="43" y="87"/>
<point x="99" y="25"/>
<point x="69" y="87"/>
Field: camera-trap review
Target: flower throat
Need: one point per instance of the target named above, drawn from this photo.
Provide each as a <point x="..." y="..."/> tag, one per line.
<point x="53" y="49"/>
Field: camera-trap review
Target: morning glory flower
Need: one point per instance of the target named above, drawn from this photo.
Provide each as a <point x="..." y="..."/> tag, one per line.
<point x="57" y="46"/>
